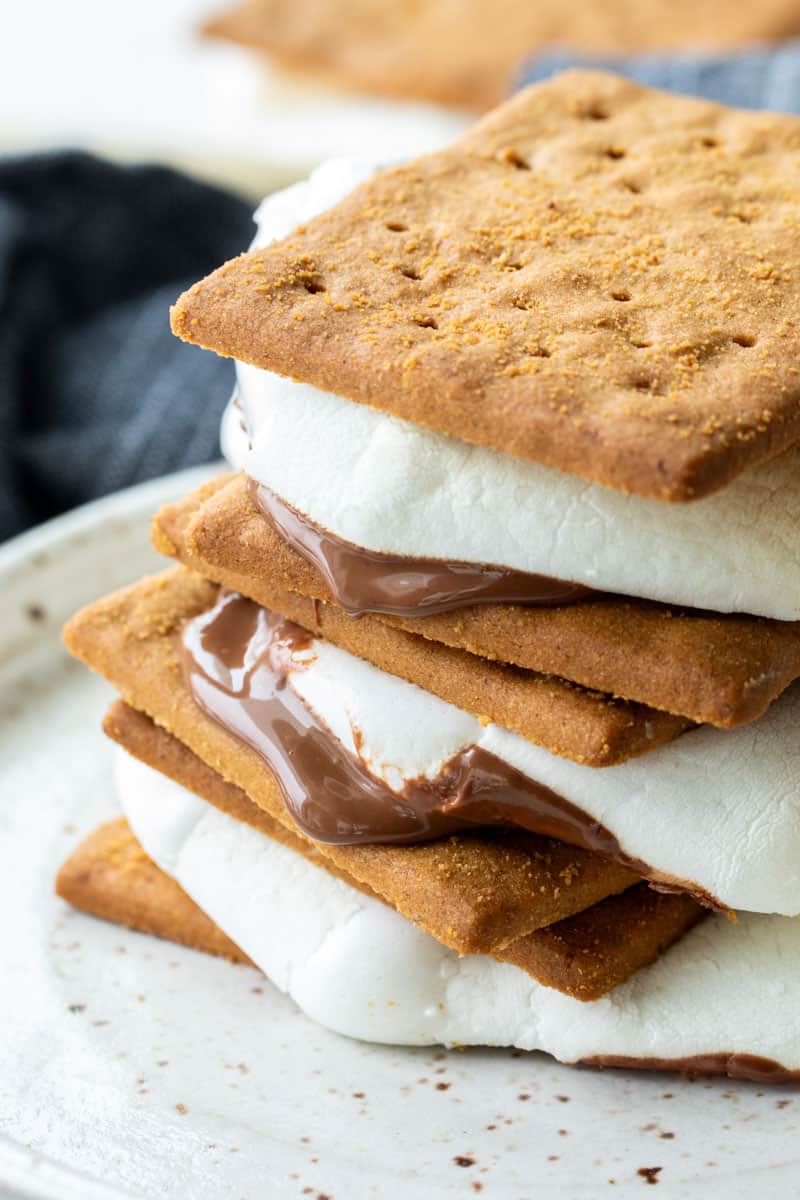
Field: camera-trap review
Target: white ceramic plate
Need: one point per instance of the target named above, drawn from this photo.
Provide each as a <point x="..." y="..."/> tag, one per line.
<point x="132" y="1068"/>
<point x="146" y="85"/>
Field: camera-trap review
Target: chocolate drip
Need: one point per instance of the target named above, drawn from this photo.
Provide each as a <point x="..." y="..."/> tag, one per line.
<point x="736" y="1066"/>
<point x="237" y="658"/>
<point x="366" y="581"/>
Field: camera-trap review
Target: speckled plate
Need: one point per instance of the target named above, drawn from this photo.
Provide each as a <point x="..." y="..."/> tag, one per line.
<point x="131" y="1068"/>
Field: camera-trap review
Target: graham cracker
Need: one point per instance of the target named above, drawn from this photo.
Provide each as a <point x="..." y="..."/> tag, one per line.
<point x="585" y="726"/>
<point x="590" y="954"/>
<point x="467" y="54"/>
<point x="110" y="876"/>
<point x="473" y="892"/>
<point x="599" y="276"/>
<point x="709" y="668"/>
<point x="586" y="955"/>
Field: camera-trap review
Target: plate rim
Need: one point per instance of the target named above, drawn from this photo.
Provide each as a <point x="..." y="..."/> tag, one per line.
<point x="127" y="501"/>
<point x="27" y="1174"/>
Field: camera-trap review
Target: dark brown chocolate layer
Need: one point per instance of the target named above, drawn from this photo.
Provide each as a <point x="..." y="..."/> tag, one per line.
<point x="366" y="581"/>
<point x="751" y="1067"/>
<point x="237" y="657"/>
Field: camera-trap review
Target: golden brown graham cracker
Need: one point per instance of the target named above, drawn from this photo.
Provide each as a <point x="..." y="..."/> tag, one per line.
<point x="722" y="670"/>
<point x="588" y="727"/>
<point x="585" y="955"/>
<point x="466" y="53"/>
<point x="472" y="892"/>
<point x="110" y="876"/>
<point x="590" y="954"/>
<point x="599" y="277"/>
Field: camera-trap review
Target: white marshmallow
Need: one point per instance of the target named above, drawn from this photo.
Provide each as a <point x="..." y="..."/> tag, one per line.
<point x="719" y="809"/>
<point x="280" y="213"/>
<point x="356" y="966"/>
<point x="392" y="486"/>
<point x="233" y="440"/>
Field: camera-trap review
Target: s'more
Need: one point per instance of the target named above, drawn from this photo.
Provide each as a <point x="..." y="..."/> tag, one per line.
<point x="467" y="54"/>
<point x="466" y="710"/>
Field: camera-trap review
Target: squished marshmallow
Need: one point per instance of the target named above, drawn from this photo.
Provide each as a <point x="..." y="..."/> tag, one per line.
<point x="359" y="968"/>
<point x="391" y="486"/>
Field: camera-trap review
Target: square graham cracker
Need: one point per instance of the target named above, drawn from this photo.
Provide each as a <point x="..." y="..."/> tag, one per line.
<point x="110" y="876"/>
<point x="720" y="670"/>
<point x="598" y="276"/>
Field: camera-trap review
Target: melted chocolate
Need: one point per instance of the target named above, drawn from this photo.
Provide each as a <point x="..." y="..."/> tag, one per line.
<point x="736" y="1066"/>
<point x="237" y="658"/>
<point x="366" y="581"/>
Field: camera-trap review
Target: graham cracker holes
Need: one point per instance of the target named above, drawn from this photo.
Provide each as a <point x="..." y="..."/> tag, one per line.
<point x="615" y="152"/>
<point x="410" y="273"/>
<point x="515" y="159"/>
<point x="396" y="227"/>
<point x="622" y="296"/>
<point x="744" y="340"/>
<point x="646" y="383"/>
<point x="313" y="286"/>
<point x="425" y="322"/>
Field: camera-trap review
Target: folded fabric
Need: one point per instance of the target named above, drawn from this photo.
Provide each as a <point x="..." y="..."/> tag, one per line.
<point x="96" y="392"/>
<point x="757" y="78"/>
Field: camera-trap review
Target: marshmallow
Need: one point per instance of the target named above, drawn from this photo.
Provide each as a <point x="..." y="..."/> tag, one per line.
<point x="391" y="486"/>
<point x="359" y="968"/>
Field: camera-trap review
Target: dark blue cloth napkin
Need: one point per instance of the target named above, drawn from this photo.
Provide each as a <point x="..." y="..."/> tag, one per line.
<point x="759" y="78"/>
<point x="95" y="392"/>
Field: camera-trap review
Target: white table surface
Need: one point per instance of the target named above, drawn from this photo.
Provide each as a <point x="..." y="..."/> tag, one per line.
<point x="137" y="82"/>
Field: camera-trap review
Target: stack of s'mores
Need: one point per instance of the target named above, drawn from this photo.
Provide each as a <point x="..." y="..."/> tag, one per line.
<point x="466" y="713"/>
